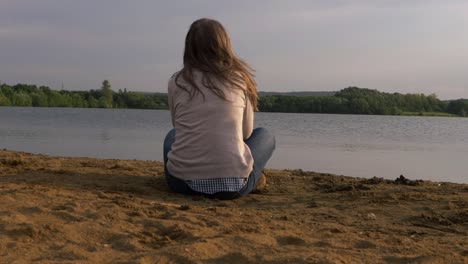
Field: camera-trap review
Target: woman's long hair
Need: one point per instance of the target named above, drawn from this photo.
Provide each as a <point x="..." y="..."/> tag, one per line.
<point x="208" y="49"/>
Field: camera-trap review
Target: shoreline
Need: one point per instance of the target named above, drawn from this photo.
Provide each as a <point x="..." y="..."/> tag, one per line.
<point x="403" y="114"/>
<point x="80" y="210"/>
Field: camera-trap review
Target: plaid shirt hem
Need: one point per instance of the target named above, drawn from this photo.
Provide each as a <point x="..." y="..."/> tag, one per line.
<point x="212" y="186"/>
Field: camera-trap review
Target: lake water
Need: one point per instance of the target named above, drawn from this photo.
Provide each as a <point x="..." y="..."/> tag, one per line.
<point x="431" y="148"/>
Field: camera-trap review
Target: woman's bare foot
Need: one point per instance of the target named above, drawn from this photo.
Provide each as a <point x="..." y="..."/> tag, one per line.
<point x="261" y="184"/>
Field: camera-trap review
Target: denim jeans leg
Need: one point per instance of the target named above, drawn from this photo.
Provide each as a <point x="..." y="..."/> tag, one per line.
<point x="262" y="144"/>
<point x="177" y="185"/>
<point x="168" y="141"/>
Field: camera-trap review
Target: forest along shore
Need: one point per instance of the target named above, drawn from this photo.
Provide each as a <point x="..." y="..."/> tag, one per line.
<point x="55" y="209"/>
<point x="351" y="100"/>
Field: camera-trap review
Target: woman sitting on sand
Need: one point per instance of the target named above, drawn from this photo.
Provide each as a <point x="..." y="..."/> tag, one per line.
<point x="213" y="149"/>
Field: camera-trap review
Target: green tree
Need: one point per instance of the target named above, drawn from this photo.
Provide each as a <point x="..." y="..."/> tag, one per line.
<point x="4" y="101"/>
<point x="106" y="101"/>
<point x="92" y="102"/>
<point x="7" y="91"/>
<point x="21" y="99"/>
<point x="39" y="99"/>
<point x="458" y="107"/>
<point x="78" y="101"/>
<point x="359" y="106"/>
<point x="55" y="99"/>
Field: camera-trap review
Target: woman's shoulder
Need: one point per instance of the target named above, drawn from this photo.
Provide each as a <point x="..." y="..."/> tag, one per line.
<point x="238" y="79"/>
<point x="178" y="77"/>
<point x="174" y="76"/>
<point x="171" y="85"/>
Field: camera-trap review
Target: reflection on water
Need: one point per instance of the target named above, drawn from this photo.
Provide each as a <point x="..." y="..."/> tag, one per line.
<point x="105" y="135"/>
<point x="386" y="146"/>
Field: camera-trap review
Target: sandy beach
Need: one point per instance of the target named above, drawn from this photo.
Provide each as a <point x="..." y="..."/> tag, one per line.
<point x="85" y="210"/>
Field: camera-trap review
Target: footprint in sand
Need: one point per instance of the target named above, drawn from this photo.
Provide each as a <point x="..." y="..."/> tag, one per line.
<point x="68" y="206"/>
<point x="290" y="240"/>
<point x="21" y="231"/>
<point x="60" y="256"/>
<point x="364" y="244"/>
<point x="415" y="260"/>
<point x="157" y="235"/>
<point x="232" y="258"/>
<point x="67" y="216"/>
<point x="65" y="212"/>
<point x="322" y="244"/>
<point x="30" y="210"/>
<point x="122" y="242"/>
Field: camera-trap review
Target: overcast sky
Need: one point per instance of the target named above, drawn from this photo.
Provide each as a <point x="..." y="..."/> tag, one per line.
<point x="402" y="46"/>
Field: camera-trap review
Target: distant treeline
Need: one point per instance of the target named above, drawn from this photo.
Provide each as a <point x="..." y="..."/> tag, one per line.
<point x="42" y="96"/>
<point x="352" y="100"/>
<point x="303" y="93"/>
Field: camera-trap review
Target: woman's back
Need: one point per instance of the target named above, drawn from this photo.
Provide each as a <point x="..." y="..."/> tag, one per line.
<point x="210" y="132"/>
<point x="213" y="149"/>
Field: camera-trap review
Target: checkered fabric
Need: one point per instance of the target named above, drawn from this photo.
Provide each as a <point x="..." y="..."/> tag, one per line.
<point x="211" y="186"/>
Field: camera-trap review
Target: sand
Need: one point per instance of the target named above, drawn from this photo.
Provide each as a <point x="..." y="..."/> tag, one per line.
<point x="85" y="210"/>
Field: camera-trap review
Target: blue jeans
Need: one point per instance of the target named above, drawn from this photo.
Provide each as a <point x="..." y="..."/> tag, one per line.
<point x="261" y="144"/>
